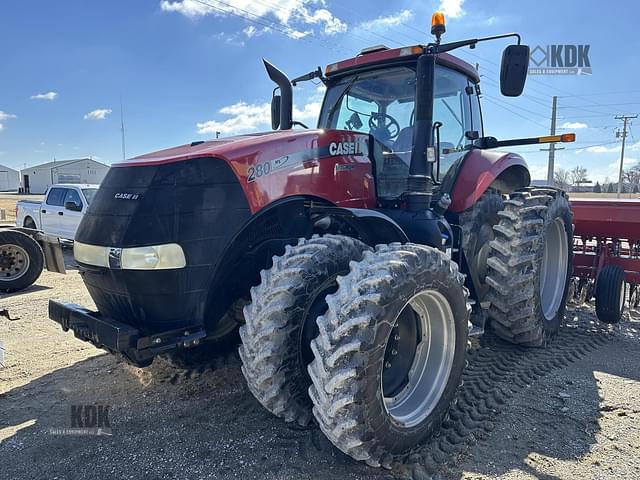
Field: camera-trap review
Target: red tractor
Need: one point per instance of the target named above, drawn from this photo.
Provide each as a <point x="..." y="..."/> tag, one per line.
<point x="364" y="252"/>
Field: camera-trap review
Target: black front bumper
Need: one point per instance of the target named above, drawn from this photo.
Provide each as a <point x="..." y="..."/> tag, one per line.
<point x="118" y="337"/>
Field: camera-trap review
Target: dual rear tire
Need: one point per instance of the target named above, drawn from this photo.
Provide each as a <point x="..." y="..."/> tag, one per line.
<point x="369" y="343"/>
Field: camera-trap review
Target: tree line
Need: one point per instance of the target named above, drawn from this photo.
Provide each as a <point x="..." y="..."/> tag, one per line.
<point x="578" y="177"/>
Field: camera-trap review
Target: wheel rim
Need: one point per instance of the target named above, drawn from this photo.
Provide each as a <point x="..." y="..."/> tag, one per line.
<point x="553" y="272"/>
<point x="427" y="371"/>
<point x="14" y="262"/>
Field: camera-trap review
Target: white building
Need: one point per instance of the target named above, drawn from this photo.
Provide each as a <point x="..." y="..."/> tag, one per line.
<point x="36" y="179"/>
<point x="9" y="179"/>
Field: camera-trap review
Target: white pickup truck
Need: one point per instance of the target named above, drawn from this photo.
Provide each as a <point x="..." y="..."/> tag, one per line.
<point x="61" y="211"/>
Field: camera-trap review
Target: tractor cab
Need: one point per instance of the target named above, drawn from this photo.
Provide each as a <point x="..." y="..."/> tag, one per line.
<point x="378" y="97"/>
<point x="418" y="105"/>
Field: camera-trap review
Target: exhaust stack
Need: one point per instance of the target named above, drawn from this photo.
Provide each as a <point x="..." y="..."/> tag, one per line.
<point x="286" y="94"/>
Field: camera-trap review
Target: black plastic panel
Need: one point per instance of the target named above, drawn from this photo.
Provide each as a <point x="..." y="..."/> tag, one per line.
<point x="198" y="204"/>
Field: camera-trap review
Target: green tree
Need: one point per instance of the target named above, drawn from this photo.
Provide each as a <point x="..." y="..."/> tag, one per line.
<point x="610" y="188"/>
<point x="597" y="188"/>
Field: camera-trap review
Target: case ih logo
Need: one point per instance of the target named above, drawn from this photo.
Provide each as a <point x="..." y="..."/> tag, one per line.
<point x="560" y="60"/>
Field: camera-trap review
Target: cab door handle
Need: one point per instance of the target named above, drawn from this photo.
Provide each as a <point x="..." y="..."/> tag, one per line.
<point x="60" y="213"/>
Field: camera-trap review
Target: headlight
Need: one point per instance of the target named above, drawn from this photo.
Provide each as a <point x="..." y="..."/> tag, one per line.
<point x="154" y="257"/>
<point x="91" y="254"/>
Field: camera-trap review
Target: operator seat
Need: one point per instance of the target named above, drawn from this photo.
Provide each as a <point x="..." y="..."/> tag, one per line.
<point x="403" y="144"/>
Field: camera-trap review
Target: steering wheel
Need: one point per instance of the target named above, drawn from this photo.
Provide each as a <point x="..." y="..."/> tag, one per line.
<point x="385" y="125"/>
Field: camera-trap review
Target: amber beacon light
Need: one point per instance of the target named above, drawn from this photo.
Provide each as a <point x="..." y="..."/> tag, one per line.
<point x="437" y="24"/>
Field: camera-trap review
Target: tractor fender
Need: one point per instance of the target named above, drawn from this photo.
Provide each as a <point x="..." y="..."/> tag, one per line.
<point x="482" y="169"/>
<point x="373" y="227"/>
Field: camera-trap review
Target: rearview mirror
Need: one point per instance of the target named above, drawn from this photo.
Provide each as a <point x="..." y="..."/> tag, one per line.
<point x="275" y="112"/>
<point x="73" y="206"/>
<point x="513" y="70"/>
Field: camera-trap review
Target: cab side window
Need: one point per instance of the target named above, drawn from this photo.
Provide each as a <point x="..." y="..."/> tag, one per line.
<point x="56" y="197"/>
<point x="73" y="196"/>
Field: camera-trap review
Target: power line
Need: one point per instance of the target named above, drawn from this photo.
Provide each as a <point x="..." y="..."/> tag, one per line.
<point x="287" y="31"/>
<point x="490" y="100"/>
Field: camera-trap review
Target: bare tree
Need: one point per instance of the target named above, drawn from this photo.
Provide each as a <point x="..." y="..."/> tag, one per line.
<point x="562" y="179"/>
<point x="579" y="175"/>
<point x="632" y="175"/>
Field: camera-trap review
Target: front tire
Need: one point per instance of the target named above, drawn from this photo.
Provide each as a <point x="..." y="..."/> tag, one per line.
<point x="390" y="351"/>
<point x="280" y="321"/>
<point x="530" y="266"/>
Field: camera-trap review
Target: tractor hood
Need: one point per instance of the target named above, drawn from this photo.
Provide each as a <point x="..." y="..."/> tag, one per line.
<point x="330" y="164"/>
<point x="256" y="145"/>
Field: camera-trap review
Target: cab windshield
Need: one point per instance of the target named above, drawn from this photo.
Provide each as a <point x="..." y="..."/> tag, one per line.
<point x="382" y="102"/>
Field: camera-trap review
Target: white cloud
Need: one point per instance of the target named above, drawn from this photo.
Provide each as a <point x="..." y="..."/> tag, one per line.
<point x="382" y="23"/>
<point x="45" y="96"/>
<point x="288" y="13"/>
<point x="250" y="117"/>
<point x="452" y="8"/>
<point x="5" y="116"/>
<point x="628" y="162"/>
<point x="603" y="149"/>
<point x="98" y="114"/>
<point x="574" y="125"/>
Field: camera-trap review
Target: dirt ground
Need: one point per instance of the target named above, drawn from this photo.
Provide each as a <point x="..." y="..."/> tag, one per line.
<point x="569" y="411"/>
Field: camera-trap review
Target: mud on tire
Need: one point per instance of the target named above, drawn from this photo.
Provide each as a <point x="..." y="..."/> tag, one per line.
<point x="352" y="351"/>
<point x="530" y="264"/>
<point x="280" y="321"/>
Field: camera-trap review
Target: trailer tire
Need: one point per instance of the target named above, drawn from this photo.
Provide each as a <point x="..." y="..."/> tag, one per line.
<point x="383" y="303"/>
<point x="530" y="266"/>
<point x="611" y="292"/>
<point x="280" y="321"/>
<point x="221" y="341"/>
<point x="21" y="261"/>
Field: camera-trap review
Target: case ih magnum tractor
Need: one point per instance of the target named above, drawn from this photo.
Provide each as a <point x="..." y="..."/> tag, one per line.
<point x="364" y="252"/>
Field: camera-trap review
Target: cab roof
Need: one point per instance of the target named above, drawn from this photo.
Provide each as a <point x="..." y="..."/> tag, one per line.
<point x="383" y="55"/>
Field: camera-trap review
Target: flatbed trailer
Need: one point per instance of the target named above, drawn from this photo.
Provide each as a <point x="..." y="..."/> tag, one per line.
<point x="606" y="262"/>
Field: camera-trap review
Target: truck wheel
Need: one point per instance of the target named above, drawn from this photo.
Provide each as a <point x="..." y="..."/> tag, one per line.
<point x="222" y="340"/>
<point x="281" y="321"/>
<point x="530" y="265"/>
<point x="390" y="351"/>
<point x="610" y="294"/>
<point x="21" y="261"/>
<point x="477" y="231"/>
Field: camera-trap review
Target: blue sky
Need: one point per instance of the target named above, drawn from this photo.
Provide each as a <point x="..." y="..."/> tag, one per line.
<point x="185" y="69"/>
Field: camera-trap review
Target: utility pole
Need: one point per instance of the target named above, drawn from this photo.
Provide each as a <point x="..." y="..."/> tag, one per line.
<point x="625" y="121"/>
<point x="552" y="146"/>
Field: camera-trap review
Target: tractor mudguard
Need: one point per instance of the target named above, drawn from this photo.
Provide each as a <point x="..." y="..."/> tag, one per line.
<point x="373" y="227"/>
<point x="481" y="169"/>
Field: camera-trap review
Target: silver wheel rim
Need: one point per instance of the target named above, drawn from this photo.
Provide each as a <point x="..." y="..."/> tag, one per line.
<point x="553" y="271"/>
<point x="432" y="363"/>
<point x="14" y="262"/>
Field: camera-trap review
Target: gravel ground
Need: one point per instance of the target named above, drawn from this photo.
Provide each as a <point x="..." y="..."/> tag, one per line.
<point x="569" y="411"/>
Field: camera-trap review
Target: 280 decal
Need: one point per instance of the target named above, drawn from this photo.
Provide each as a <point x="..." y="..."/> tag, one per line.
<point x="265" y="168"/>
